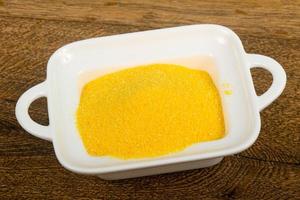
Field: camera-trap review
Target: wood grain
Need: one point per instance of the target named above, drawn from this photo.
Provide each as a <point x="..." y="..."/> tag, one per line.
<point x="31" y="30"/>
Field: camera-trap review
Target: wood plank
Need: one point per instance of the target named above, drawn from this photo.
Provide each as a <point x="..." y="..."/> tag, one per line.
<point x="235" y="177"/>
<point x="275" y="18"/>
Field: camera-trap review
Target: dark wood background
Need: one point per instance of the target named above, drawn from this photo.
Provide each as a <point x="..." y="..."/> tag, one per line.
<point x="31" y="30"/>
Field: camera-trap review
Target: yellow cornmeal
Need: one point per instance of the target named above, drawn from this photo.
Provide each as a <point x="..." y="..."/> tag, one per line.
<point x="149" y="111"/>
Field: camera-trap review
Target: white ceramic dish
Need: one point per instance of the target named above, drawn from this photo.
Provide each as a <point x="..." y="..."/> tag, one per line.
<point x="213" y="48"/>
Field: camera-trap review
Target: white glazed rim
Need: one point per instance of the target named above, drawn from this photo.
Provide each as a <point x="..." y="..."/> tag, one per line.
<point x="252" y="60"/>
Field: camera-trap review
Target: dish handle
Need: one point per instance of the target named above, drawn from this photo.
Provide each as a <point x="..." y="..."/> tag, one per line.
<point x="278" y="74"/>
<point x="22" y="114"/>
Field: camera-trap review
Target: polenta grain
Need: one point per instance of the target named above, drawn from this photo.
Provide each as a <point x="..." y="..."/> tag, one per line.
<point x="149" y="111"/>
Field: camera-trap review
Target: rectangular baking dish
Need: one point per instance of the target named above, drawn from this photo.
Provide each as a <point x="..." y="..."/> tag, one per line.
<point x="213" y="48"/>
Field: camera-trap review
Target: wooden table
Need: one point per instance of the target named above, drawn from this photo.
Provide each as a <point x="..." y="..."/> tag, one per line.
<point x="31" y="30"/>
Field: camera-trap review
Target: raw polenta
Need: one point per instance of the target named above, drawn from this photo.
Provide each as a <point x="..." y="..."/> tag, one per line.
<point x="149" y="111"/>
